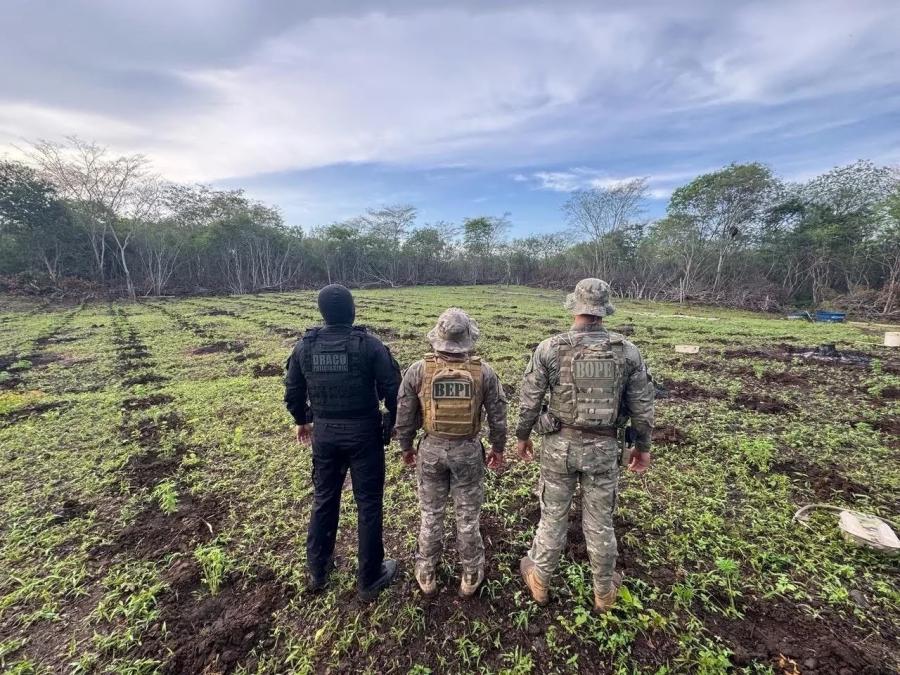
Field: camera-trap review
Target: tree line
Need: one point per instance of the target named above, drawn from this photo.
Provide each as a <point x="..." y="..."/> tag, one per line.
<point x="77" y="219"/>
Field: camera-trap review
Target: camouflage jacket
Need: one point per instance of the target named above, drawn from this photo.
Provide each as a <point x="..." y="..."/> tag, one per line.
<point x="637" y="398"/>
<point x="409" y="414"/>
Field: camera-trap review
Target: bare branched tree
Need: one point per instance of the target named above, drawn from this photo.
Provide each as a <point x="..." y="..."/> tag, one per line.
<point x="595" y="213"/>
<point x="113" y="194"/>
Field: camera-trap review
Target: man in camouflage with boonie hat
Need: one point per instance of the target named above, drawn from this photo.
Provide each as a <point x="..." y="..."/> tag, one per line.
<point x="446" y="394"/>
<point x="597" y="380"/>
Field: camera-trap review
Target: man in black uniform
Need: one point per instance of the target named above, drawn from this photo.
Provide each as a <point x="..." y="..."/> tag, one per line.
<point x="344" y="372"/>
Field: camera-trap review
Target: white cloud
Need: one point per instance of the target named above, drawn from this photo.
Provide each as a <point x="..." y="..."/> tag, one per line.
<point x="584" y="178"/>
<point x="506" y="87"/>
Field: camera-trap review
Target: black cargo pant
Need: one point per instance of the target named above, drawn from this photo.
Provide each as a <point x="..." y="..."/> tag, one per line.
<point x="339" y="445"/>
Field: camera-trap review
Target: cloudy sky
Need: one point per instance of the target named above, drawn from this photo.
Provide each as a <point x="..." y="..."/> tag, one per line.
<point x="466" y="108"/>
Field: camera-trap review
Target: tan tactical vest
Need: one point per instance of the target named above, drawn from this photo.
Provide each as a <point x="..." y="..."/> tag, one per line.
<point x="451" y="397"/>
<point x="591" y="380"/>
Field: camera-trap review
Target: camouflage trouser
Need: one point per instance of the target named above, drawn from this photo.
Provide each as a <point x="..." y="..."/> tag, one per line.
<point x="445" y="468"/>
<point x="564" y="462"/>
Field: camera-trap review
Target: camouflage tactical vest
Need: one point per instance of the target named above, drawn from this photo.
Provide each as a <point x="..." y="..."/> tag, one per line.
<point x="451" y="397"/>
<point x="591" y="380"/>
<point x="337" y="385"/>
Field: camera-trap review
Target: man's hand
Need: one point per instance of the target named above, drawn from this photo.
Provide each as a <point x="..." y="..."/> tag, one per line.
<point x="526" y="450"/>
<point x="304" y="433"/>
<point x="640" y="461"/>
<point x="494" y="460"/>
<point x="409" y="457"/>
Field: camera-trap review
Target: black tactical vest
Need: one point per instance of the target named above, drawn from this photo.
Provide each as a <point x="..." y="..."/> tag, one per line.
<point x="337" y="384"/>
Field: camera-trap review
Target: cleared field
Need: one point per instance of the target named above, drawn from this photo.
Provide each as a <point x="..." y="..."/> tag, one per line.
<point x="153" y="503"/>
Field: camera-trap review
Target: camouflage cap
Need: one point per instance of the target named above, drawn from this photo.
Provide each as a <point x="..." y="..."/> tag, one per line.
<point x="591" y="296"/>
<point x="455" y="332"/>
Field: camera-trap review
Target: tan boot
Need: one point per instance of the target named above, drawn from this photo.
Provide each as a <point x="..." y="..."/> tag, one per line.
<point x="537" y="587"/>
<point x="470" y="583"/>
<point x="427" y="580"/>
<point x="603" y="602"/>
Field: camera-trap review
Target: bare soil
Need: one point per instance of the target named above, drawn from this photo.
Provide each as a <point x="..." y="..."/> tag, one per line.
<point x="219" y="347"/>
<point x="268" y="370"/>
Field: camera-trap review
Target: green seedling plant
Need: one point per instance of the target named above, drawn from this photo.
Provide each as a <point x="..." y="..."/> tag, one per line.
<point x="148" y="453"/>
<point x="214" y="564"/>
<point x="167" y="497"/>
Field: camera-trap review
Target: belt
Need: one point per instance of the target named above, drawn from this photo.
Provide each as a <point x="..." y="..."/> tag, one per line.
<point x="574" y="431"/>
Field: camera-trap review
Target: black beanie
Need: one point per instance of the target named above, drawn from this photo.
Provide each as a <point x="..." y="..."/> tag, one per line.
<point x="336" y="304"/>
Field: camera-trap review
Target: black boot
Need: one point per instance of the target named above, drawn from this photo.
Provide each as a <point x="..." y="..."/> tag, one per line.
<point x="388" y="572"/>
<point x="319" y="579"/>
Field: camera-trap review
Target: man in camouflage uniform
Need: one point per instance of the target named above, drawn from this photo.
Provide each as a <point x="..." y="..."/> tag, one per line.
<point x="446" y="393"/>
<point x="596" y="381"/>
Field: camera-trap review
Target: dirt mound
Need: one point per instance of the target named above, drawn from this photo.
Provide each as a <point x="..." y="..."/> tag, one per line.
<point x="285" y="332"/>
<point x="696" y="365"/>
<point x="146" y="378"/>
<point x="826" y="354"/>
<point x="218" y="347"/>
<point x="215" y="634"/>
<point x="147" y="402"/>
<point x="756" y="353"/>
<point x="147" y="431"/>
<point x="384" y="332"/>
<point x="772" y="631"/>
<point x="763" y="403"/>
<point x="888" y="425"/>
<point x="890" y="393"/>
<point x="219" y="312"/>
<point x="826" y="482"/>
<point x="665" y="434"/>
<point x="268" y="370"/>
<point x="16" y="416"/>
<point x="154" y="535"/>
<point x="70" y="510"/>
<point x="133" y="353"/>
<point x="148" y="470"/>
<point x="686" y="391"/>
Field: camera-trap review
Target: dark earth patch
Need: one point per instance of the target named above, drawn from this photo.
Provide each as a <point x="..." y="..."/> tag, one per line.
<point x="219" y="347"/>
<point x="773" y="631"/>
<point x="133" y="353"/>
<point x="666" y="434"/>
<point x="763" y="403"/>
<point x="686" y="391"/>
<point x="500" y="338"/>
<point x="147" y="402"/>
<point x="15" y="416"/>
<point x="888" y="425"/>
<point x="285" y="332"/>
<point x="384" y="332"/>
<point x="147" y="431"/>
<point x="147" y="378"/>
<point x="219" y="312"/>
<point x="268" y="370"/>
<point x="215" y="634"/>
<point x="70" y="510"/>
<point x="826" y="482"/>
<point x="154" y="535"/>
<point x="246" y="356"/>
<point x="890" y="393"/>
